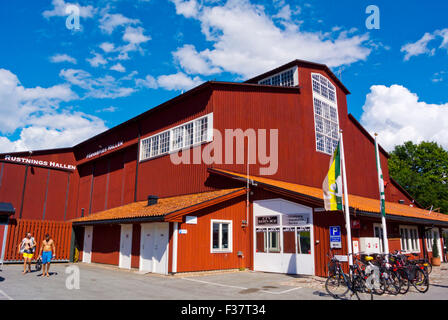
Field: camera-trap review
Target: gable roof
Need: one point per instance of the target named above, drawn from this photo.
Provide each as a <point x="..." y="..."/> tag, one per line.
<point x="166" y="209"/>
<point x="358" y="204"/>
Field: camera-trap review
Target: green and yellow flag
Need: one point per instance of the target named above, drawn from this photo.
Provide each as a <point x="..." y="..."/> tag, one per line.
<point x="332" y="185"/>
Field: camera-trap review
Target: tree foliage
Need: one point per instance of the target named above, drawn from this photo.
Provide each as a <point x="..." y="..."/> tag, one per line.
<point x="423" y="171"/>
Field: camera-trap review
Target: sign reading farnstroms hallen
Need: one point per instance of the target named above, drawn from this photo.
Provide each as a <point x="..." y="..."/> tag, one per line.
<point x="41" y="163"/>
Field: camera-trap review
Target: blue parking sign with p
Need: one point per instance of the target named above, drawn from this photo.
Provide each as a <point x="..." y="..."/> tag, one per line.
<point x="335" y="237"/>
<point x="335" y="231"/>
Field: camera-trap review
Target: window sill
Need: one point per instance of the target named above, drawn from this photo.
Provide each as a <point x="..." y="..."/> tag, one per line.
<point x="221" y="251"/>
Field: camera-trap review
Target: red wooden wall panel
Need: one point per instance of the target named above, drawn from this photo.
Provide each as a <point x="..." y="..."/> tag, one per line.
<point x="115" y="189"/>
<point x="57" y="195"/>
<point x="194" y="247"/>
<point x="12" y="185"/>
<point x="99" y="185"/>
<point x="85" y="185"/>
<point x="135" y="254"/>
<point x="36" y="185"/>
<point x="59" y="231"/>
<point x="106" y="244"/>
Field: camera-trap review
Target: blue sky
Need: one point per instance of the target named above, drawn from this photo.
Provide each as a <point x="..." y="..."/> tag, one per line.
<point x="60" y="86"/>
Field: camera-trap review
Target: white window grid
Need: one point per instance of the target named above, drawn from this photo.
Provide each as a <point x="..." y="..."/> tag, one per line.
<point x="323" y="87"/>
<point x="230" y="236"/>
<point x="409" y="239"/>
<point x="187" y="135"/>
<point x="430" y="235"/>
<point x="325" y="114"/>
<point x="288" y="78"/>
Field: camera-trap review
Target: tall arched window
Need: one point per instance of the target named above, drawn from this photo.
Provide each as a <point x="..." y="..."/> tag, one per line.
<point x="326" y="121"/>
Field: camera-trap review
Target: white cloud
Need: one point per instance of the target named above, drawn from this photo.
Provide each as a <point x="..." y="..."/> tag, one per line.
<point x="57" y="58"/>
<point x="17" y="103"/>
<point x="135" y="36"/>
<point x="188" y="9"/>
<point x="421" y="46"/>
<point x="107" y="47"/>
<point x="107" y="109"/>
<point x="109" y="22"/>
<point x="59" y="6"/>
<point x="104" y="87"/>
<point x="35" y="114"/>
<point x="444" y="34"/>
<point x="418" y="48"/>
<point x="397" y="115"/>
<point x="96" y="60"/>
<point x="194" y="62"/>
<point x="118" y="67"/>
<point x="147" y="82"/>
<point x="246" y="41"/>
<point x="178" y="81"/>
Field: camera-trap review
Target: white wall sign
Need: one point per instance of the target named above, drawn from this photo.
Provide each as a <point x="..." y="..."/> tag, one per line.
<point x="267" y="221"/>
<point x="42" y="163"/>
<point x="104" y="150"/>
<point x="355" y="247"/>
<point x="295" y="219"/>
<point x="191" y="220"/>
<point x="183" y="231"/>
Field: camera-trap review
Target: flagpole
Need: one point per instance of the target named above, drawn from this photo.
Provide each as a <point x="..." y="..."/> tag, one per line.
<point x="383" y="214"/>
<point x="347" y="207"/>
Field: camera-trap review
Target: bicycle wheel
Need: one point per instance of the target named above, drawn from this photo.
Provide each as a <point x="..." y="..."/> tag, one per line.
<point x="393" y="283"/>
<point x="336" y="286"/>
<point x="382" y="287"/>
<point x="421" y="281"/>
<point x="405" y="283"/>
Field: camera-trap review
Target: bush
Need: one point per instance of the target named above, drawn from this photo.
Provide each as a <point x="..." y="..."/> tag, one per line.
<point x="435" y="249"/>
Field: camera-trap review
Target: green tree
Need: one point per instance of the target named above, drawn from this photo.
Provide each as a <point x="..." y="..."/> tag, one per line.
<point x="423" y="171"/>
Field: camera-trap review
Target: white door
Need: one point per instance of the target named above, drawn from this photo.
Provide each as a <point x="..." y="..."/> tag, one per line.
<point x="154" y="248"/>
<point x="161" y="249"/>
<point x="87" y="250"/>
<point x="146" y="247"/>
<point x="125" y="246"/>
<point x="283" y="237"/>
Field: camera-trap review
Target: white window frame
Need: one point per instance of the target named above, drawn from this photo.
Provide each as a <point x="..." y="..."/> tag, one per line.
<point x="221" y="250"/>
<point x="295" y="70"/>
<point x="429" y="242"/>
<point x="331" y="104"/>
<point x="146" y="142"/>
<point x="409" y="239"/>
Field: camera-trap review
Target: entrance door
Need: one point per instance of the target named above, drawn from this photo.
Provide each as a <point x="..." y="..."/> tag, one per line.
<point x="125" y="246"/>
<point x="154" y="248"/>
<point x="87" y="249"/>
<point x="283" y="236"/>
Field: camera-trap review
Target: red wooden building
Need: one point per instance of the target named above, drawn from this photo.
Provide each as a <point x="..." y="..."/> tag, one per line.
<point x="190" y="154"/>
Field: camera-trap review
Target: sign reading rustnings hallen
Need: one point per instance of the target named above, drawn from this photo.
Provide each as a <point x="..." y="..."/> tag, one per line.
<point x="41" y="163"/>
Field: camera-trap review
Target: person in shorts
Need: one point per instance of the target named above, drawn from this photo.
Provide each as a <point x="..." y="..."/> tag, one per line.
<point x="47" y="252"/>
<point x="26" y="248"/>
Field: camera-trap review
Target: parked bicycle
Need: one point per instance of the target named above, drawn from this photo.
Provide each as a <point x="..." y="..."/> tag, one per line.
<point x="338" y="283"/>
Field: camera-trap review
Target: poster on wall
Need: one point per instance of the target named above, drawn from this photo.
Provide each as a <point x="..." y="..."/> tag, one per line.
<point x="267" y="221"/>
<point x="295" y="219"/>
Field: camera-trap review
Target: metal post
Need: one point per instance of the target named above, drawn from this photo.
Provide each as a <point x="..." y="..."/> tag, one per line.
<point x="383" y="218"/>
<point x="347" y="207"/>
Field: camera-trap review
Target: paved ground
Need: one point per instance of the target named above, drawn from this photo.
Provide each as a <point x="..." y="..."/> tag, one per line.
<point x="105" y="282"/>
